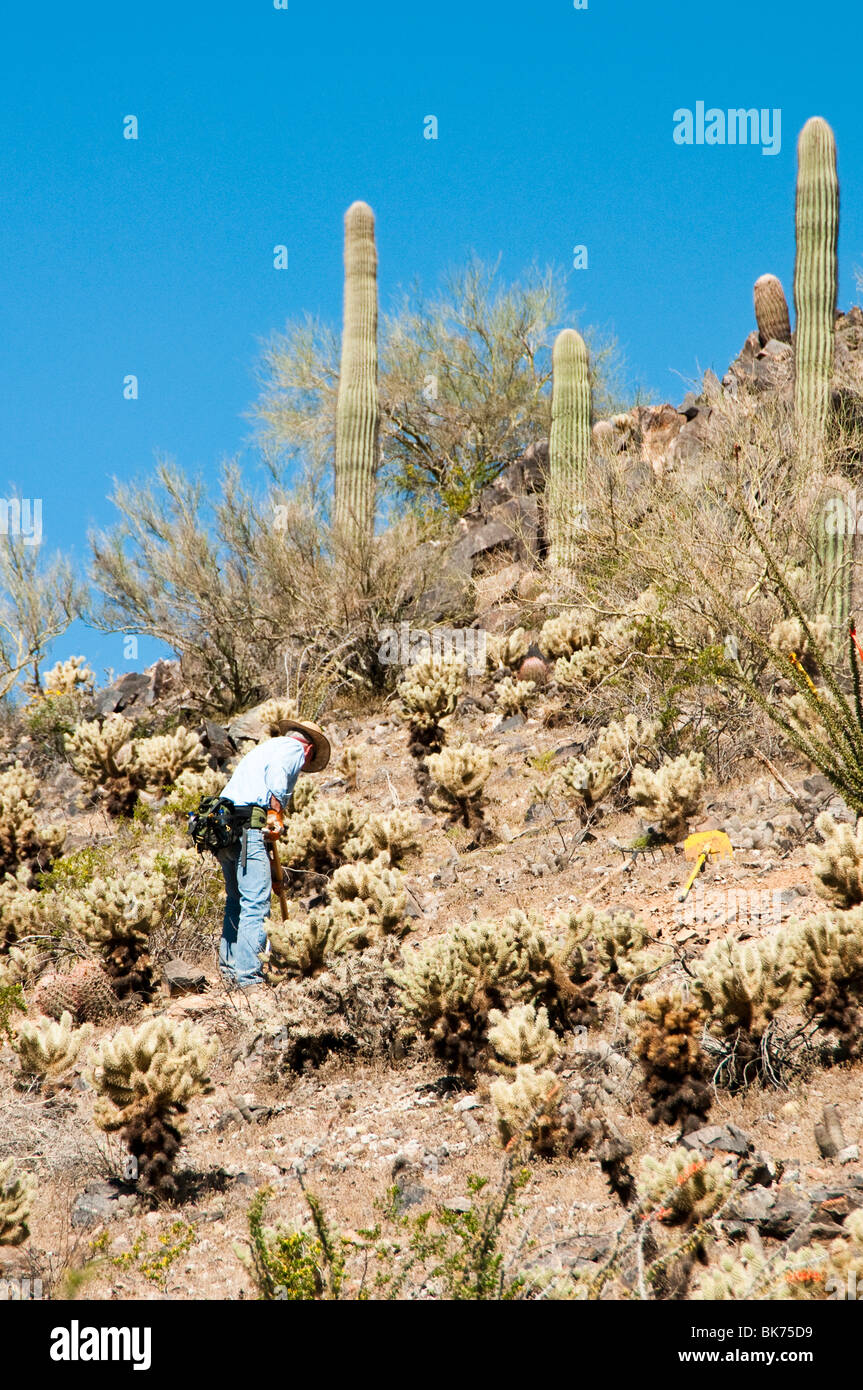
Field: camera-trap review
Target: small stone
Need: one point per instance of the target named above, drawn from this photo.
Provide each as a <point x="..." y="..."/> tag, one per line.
<point x="850" y="1154"/>
<point x="723" y="1138"/>
<point x="182" y="978"/>
<point x="459" y="1204"/>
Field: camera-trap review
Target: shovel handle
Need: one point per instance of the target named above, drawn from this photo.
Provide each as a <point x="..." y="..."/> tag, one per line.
<point x="699" y="865"/>
<point x="278" y="877"/>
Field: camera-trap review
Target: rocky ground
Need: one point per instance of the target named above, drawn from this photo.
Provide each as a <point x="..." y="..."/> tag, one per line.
<point x="351" y="1126"/>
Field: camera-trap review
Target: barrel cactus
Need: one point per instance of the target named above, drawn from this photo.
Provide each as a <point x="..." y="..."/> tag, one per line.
<point x="568" y="447"/>
<point x="771" y="310"/>
<point x="815" y="279"/>
<point x="357" y="409"/>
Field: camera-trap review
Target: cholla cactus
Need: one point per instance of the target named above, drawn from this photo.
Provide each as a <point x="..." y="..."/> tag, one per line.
<point x="99" y="750"/>
<point x="349" y="765"/>
<point x="49" y="1049"/>
<point x="512" y="696"/>
<point x="568" y="633"/>
<point x="300" y="948"/>
<point x="429" y="691"/>
<point x="675" y="1067"/>
<point x="190" y="786"/>
<point x="621" y="940"/>
<point x="323" y="835"/>
<point x="15" y="1196"/>
<point x="117" y="916"/>
<point x="521" y="1036"/>
<point x="159" y="761"/>
<point x="145" y="1079"/>
<point x="379" y="887"/>
<point x="682" y="1190"/>
<point x="838" y="864"/>
<point x="740" y="989"/>
<point x="22" y="841"/>
<point x="21" y="909"/>
<point x="826" y="958"/>
<point x="15" y="968"/>
<point x="529" y="1108"/>
<point x="306" y="790"/>
<point x="589" y="780"/>
<point x="273" y="712"/>
<point x="789" y="635"/>
<point x="813" y="1272"/>
<point x="68" y="677"/>
<point x="672" y="794"/>
<point x="460" y="774"/>
<point x="393" y="834"/>
<point x="450" y="983"/>
<point x="85" y="992"/>
<point x="627" y="740"/>
<point x="507" y="650"/>
<point x="584" y="669"/>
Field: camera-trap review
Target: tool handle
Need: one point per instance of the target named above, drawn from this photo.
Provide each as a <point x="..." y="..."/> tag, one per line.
<point x="278" y="878"/>
<point x="699" y="865"/>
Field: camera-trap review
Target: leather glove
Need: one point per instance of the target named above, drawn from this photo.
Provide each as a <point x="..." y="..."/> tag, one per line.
<point x="275" y="824"/>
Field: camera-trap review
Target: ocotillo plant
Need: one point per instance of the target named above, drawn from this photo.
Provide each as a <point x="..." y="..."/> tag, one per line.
<point x="568" y="447"/>
<point x="771" y="310"/>
<point x="357" y="409"/>
<point x="815" y="279"/>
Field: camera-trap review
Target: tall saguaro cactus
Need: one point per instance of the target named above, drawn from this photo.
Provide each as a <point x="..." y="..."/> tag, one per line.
<point x="568" y="447"/>
<point x="357" y="408"/>
<point x="815" y="280"/>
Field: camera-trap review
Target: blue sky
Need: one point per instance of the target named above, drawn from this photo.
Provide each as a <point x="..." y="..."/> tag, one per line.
<point x="259" y="126"/>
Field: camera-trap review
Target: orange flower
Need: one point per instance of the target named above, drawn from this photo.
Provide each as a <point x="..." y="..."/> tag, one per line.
<point x="804" y="1276"/>
<point x="691" y="1171"/>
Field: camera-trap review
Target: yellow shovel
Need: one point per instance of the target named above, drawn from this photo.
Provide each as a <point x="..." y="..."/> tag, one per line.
<point x="707" y="844"/>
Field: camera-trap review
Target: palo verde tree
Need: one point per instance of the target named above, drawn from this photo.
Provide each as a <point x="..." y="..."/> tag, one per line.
<point x="464" y="384"/>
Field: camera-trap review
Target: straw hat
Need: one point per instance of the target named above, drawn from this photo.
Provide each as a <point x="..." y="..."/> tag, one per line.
<point x="316" y="736"/>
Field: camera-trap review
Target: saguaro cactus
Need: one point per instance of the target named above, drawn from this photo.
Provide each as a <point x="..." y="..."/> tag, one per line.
<point x="771" y="310"/>
<point x="835" y="546"/>
<point x="815" y="279"/>
<point x="357" y="410"/>
<point x="568" y="446"/>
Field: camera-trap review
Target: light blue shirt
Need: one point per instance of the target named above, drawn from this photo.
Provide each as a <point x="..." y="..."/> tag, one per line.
<point x="271" y="769"/>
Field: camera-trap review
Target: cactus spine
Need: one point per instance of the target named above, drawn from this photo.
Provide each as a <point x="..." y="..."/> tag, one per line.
<point x="771" y="310"/>
<point x="815" y="279"/>
<point x="357" y="410"/>
<point x="568" y="447"/>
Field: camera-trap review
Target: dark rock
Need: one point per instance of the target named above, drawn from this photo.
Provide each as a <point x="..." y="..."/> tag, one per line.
<point x="96" y="1204"/>
<point x="789" y="1211"/>
<point x="217" y="741"/>
<point x="718" y="1139"/>
<point x="313" y="900"/>
<point x="132" y="689"/>
<point x="182" y="978"/>
<point x="812" y="1230"/>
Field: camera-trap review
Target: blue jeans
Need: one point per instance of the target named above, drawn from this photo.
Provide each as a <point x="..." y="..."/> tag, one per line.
<point x="247" y="904"/>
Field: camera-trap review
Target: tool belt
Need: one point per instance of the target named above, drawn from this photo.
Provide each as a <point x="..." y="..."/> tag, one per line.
<point x="218" y="824"/>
